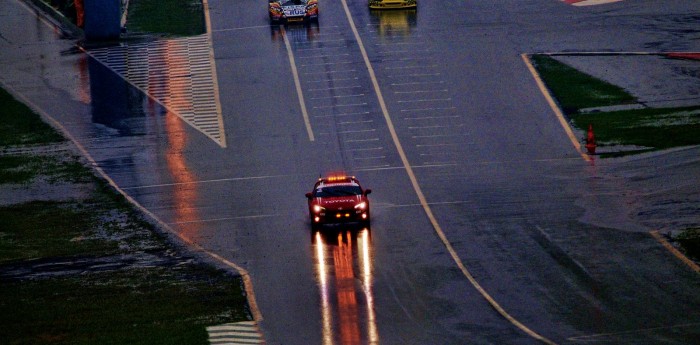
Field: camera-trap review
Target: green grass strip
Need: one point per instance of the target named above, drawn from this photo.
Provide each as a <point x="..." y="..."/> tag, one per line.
<point x="19" y="125"/>
<point x="163" y="305"/>
<point x="575" y="90"/>
<point x="41" y="229"/>
<point x="22" y="169"/>
<point x="168" y="17"/>
<point x="651" y="128"/>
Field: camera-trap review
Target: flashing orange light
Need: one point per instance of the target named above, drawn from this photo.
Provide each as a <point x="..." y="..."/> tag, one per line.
<point x="338" y="178"/>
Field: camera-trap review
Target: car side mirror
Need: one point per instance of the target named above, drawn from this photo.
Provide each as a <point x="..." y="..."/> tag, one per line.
<point x="367" y="191"/>
<point x="309" y="195"/>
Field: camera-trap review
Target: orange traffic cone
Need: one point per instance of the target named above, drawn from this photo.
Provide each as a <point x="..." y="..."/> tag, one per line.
<point x="590" y="140"/>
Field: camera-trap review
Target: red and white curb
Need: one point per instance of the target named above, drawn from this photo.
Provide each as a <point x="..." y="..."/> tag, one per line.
<point x="239" y="333"/>
<point x="589" y="2"/>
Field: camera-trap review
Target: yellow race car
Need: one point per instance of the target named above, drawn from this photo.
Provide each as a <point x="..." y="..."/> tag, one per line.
<point x="390" y="4"/>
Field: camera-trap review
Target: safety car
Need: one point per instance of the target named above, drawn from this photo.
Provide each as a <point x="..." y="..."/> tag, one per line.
<point x="338" y="199"/>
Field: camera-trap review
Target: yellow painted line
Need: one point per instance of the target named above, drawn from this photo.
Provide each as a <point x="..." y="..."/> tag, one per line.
<point x="215" y="80"/>
<point x="297" y="84"/>
<point x="421" y="196"/>
<point x="675" y="251"/>
<point x="555" y="108"/>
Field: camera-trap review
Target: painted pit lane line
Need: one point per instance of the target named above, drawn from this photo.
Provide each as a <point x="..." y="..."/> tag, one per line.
<point x="297" y="85"/>
<point x="421" y="197"/>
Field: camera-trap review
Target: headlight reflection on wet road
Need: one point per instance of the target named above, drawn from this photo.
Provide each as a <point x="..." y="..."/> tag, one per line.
<point x="344" y="257"/>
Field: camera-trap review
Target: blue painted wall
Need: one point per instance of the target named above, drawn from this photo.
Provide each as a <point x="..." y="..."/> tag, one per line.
<point x="102" y="19"/>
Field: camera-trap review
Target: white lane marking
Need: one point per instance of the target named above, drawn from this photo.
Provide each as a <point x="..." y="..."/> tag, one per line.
<point x="367" y="149"/>
<point x="319" y="48"/>
<point x="418" y="91"/>
<point x="248" y="178"/>
<point x="241" y="28"/>
<point x="415" y="75"/>
<point x="436" y="126"/>
<point x="354" y="122"/>
<point x="322" y="56"/>
<point x="358" y="131"/>
<point x="327" y="64"/>
<point x="297" y="84"/>
<point x="335" y="88"/>
<point x="440" y="136"/>
<point x="331" y="72"/>
<point x="400" y="43"/>
<point x="339" y="96"/>
<point x="211" y="220"/>
<point x="407" y="51"/>
<point x="417" y="83"/>
<point x="340" y="105"/>
<point x="368" y="158"/>
<point x="428" y="110"/>
<point x="426" y="100"/>
<point x="361" y="140"/>
<point x="421" y="197"/>
<point x="409" y="67"/>
<point x="437" y="145"/>
<point x="332" y="80"/>
<point x="215" y="80"/>
<point x="555" y="108"/>
<point x="374" y="167"/>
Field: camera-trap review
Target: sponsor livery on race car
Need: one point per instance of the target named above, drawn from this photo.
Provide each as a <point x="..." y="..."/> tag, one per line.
<point x="338" y="199"/>
<point x="284" y="11"/>
<point x="389" y="4"/>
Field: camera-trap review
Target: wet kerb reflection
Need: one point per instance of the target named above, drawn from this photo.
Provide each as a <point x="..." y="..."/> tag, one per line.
<point x="344" y="277"/>
<point x="114" y="101"/>
<point x="128" y="112"/>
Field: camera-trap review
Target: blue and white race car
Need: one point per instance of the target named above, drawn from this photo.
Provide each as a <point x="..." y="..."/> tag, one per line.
<point x="285" y="11"/>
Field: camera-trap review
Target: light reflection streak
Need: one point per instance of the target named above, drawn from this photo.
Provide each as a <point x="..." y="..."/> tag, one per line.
<point x="325" y="304"/>
<point x="183" y="197"/>
<point x="350" y="252"/>
<point x="367" y="284"/>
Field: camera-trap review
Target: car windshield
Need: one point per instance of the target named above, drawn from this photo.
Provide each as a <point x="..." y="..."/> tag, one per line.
<point x="324" y="192"/>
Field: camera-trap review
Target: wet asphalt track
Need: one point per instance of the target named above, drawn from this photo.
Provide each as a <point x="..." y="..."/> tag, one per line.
<point x="551" y="238"/>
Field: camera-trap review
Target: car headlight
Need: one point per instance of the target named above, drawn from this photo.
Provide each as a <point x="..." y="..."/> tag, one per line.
<point x="361" y="206"/>
<point x="318" y="209"/>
